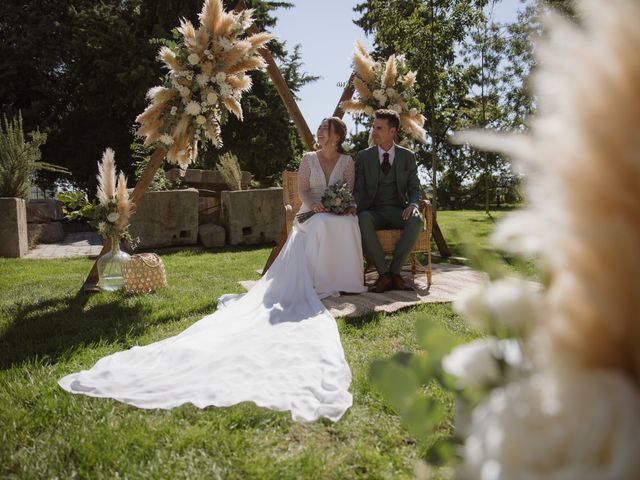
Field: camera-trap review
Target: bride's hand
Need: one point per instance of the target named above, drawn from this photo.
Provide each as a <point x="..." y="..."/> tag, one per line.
<point x="318" y="208"/>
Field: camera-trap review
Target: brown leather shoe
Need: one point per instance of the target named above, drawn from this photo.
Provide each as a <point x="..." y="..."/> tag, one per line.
<point x="383" y="284"/>
<point x="399" y="283"/>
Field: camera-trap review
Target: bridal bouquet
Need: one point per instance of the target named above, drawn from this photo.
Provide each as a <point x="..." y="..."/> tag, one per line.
<point x="336" y="199"/>
<point x="206" y="77"/>
<point x="553" y="391"/>
<point x="386" y="84"/>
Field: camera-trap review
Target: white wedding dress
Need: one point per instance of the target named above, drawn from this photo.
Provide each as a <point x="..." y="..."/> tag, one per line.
<point x="276" y="346"/>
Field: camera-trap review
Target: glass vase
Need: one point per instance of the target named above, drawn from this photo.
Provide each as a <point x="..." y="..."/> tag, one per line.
<point x="110" y="267"/>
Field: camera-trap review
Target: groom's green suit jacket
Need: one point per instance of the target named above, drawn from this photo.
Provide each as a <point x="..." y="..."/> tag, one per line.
<point x="368" y="172"/>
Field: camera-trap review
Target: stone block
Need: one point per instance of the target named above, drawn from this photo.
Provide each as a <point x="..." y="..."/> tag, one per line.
<point x="206" y="179"/>
<point x="42" y="211"/>
<point x="252" y="216"/>
<point x="50" y="232"/>
<point x="166" y="218"/>
<point x="13" y="228"/>
<point x="208" y="210"/>
<point x="211" y="236"/>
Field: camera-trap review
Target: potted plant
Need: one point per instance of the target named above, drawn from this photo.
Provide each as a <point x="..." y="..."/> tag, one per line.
<point x="19" y="161"/>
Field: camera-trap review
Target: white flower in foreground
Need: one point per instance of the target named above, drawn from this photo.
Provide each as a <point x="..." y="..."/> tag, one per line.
<point x="580" y="425"/>
<point x="166" y="139"/>
<point x="193" y="59"/>
<point x="193" y="108"/>
<point x="212" y="98"/>
<point x="221" y="77"/>
<point x="507" y="302"/>
<point x="201" y="119"/>
<point x="476" y="364"/>
<point x="113" y="217"/>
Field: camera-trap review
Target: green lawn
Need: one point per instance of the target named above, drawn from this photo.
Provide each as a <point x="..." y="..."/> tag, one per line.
<point x="48" y="329"/>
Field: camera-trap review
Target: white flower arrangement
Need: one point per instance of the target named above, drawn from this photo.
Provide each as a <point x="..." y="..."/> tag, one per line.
<point x="386" y="84"/>
<point x="206" y="79"/>
<point x="574" y="411"/>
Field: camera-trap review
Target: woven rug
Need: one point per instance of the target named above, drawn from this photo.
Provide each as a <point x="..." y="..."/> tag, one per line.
<point x="448" y="280"/>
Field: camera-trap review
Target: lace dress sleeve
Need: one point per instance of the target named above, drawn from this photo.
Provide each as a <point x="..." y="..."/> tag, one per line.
<point x="304" y="185"/>
<point x="349" y="173"/>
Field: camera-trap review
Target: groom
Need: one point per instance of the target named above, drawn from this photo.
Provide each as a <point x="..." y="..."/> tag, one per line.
<point x="387" y="192"/>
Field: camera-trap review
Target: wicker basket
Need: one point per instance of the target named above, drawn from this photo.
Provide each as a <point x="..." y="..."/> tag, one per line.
<point x="144" y="273"/>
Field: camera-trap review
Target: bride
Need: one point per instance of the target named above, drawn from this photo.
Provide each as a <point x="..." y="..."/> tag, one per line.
<point x="277" y="345"/>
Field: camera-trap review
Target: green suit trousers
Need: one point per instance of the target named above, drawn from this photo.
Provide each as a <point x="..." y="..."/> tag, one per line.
<point x="388" y="217"/>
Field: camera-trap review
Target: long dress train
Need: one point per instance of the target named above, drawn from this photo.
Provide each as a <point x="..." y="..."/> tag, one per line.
<point x="276" y="346"/>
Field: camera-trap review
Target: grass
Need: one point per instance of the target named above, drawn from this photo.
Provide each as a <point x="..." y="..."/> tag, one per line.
<point x="48" y="329"/>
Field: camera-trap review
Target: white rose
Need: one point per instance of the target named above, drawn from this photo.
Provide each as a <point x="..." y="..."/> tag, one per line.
<point x="391" y="92"/>
<point x="474" y="364"/>
<point x="193" y="59"/>
<point x="113" y="216"/>
<point x="201" y="119"/>
<point x="507" y="302"/>
<point x="221" y="77"/>
<point x="212" y="98"/>
<point x="378" y="93"/>
<point x="174" y="110"/>
<point x="166" y="139"/>
<point x="184" y="91"/>
<point x="202" y="79"/>
<point x="193" y="108"/>
<point x="413" y="112"/>
<point x="395" y="107"/>
<point x="569" y="425"/>
<point x="225" y="90"/>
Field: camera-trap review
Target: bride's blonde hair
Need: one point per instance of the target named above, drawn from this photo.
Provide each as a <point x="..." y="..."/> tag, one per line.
<point x="337" y="126"/>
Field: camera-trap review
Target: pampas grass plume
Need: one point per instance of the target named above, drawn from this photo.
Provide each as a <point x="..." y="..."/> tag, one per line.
<point x="106" y="177"/>
<point x="390" y="72"/>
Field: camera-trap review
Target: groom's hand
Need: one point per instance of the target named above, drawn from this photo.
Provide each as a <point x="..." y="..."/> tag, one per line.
<point x="350" y="211"/>
<point x="410" y="211"/>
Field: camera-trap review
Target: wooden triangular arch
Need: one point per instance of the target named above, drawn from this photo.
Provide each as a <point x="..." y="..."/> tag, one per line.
<point x="289" y="101"/>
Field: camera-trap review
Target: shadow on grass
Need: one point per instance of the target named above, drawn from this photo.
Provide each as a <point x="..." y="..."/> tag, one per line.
<point x="49" y="328"/>
<point x="364" y="320"/>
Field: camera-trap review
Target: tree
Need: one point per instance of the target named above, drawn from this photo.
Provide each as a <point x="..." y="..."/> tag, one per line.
<point x="80" y="70"/>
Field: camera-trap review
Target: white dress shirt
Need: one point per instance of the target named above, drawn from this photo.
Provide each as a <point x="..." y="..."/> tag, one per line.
<point x="391" y="152"/>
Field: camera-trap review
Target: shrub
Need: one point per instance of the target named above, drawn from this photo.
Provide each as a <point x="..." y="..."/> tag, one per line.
<point x="20" y="159"/>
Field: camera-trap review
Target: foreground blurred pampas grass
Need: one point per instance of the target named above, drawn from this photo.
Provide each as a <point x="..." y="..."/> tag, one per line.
<point x="577" y="413"/>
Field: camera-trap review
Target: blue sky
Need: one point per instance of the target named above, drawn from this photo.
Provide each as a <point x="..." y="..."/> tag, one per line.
<point x="326" y="32"/>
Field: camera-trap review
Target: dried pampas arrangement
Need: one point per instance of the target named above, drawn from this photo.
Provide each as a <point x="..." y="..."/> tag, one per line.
<point x="207" y="74"/>
<point x="386" y="84"/>
<point x="576" y="413"/>
<point x="112" y="214"/>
